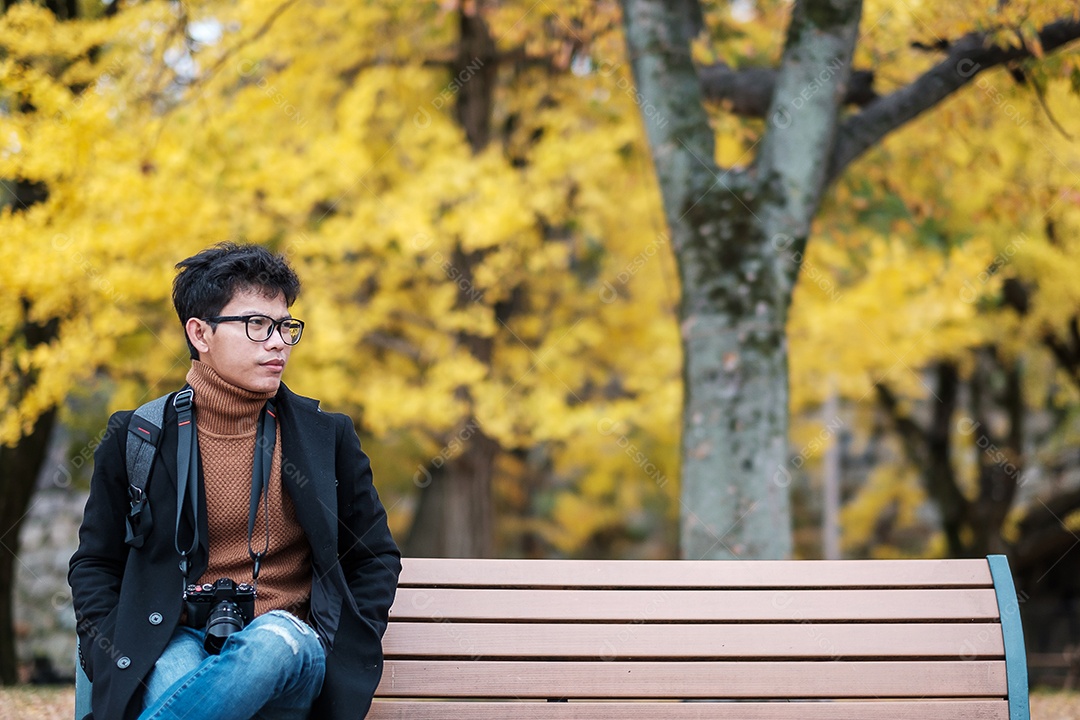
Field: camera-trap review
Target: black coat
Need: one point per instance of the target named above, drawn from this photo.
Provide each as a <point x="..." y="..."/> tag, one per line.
<point x="128" y="601"/>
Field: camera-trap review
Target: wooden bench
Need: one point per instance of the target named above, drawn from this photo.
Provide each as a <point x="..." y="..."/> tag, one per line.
<point x="802" y="640"/>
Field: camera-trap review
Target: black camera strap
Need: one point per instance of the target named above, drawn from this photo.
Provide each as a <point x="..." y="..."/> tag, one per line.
<point x="265" y="440"/>
<point x="187" y="477"/>
<point x="187" y="474"/>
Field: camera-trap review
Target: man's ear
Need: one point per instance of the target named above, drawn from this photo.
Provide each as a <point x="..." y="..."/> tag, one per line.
<point x="197" y="332"/>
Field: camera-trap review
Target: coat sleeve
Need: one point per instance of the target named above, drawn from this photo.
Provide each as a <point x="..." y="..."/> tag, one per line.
<point x="96" y="568"/>
<point x="368" y="554"/>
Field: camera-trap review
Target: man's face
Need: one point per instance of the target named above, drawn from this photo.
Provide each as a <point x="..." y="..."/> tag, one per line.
<point x="254" y="366"/>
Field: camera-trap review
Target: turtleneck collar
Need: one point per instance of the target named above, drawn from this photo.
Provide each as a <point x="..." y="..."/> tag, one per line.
<point x="224" y="408"/>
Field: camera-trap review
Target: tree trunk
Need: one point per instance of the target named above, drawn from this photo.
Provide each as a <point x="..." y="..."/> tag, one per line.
<point x="20" y="470"/>
<point x="1001" y="460"/>
<point x="972" y="527"/>
<point x="830" y="482"/>
<point x="455" y="515"/>
<point x="734" y="492"/>
<point x="929" y="449"/>
<point x="738" y="237"/>
<point x="20" y="463"/>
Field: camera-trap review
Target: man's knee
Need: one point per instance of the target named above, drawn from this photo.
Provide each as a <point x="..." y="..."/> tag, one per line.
<point x="283" y="633"/>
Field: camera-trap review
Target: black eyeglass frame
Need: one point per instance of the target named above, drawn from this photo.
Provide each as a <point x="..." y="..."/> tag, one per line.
<point x="274" y="325"/>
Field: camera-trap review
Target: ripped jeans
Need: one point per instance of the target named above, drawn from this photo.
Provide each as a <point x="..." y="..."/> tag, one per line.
<point x="272" y="670"/>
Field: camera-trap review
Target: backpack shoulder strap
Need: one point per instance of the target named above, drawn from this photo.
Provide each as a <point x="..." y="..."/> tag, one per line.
<point x="144" y="430"/>
<point x="144" y="433"/>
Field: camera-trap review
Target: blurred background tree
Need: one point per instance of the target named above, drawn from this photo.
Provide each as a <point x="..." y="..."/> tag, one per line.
<point x="468" y="192"/>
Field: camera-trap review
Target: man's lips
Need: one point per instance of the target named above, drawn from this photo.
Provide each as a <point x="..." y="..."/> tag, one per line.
<point x="274" y="364"/>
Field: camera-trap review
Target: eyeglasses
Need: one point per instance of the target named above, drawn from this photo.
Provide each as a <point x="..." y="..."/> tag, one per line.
<point x="261" y="327"/>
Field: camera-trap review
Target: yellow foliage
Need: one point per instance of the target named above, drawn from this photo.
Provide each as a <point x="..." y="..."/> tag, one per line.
<point x="530" y="286"/>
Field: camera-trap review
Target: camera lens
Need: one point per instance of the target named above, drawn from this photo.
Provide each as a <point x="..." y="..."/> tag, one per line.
<point x="223" y="621"/>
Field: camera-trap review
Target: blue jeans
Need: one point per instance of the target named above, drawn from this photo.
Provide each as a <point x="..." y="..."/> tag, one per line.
<point x="272" y="670"/>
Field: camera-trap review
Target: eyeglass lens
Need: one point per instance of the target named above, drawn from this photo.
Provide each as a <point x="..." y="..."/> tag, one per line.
<point x="261" y="327"/>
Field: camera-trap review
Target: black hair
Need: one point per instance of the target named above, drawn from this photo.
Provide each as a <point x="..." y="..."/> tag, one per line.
<point x="206" y="282"/>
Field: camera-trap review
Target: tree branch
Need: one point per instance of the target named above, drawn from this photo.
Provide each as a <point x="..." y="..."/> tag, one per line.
<point x="803" y="116"/>
<point x="1016" y="294"/>
<point x="401" y="346"/>
<point x="669" y="94"/>
<point x="912" y="436"/>
<point x="747" y="92"/>
<point x="968" y="56"/>
<point x="1044" y="537"/>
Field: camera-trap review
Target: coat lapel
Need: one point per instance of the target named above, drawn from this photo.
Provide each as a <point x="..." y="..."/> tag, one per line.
<point x="308" y="469"/>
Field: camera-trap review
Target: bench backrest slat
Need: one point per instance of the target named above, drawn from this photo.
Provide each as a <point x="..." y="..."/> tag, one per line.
<point x="449" y="572"/>
<point x="611" y="641"/>
<point x="525" y="605"/>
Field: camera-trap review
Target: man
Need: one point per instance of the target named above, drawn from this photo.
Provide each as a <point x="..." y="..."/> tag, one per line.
<point x="309" y="532"/>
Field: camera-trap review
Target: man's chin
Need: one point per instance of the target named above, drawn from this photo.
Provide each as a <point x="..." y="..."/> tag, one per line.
<point x="265" y="385"/>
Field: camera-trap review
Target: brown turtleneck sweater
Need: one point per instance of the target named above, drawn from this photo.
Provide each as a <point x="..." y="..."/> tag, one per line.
<point x="227" y="417"/>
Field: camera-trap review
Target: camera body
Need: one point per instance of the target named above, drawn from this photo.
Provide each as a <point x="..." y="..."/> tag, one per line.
<point x="221" y="608"/>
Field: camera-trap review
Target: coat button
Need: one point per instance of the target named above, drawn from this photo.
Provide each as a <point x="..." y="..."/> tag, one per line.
<point x="155" y="618"/>
<point x="123" y="662"/>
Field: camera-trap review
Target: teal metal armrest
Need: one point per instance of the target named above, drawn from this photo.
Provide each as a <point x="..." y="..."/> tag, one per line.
<point x="1012" y="633"/>
<point x="82" y="691"/>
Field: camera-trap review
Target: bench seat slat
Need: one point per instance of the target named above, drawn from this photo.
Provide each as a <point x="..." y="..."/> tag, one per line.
<point x="696" y="573"/>
<point x="897" y="710"/>
<point x="634" y="640"/>
<point x="694" y="605"/>
<point x="643" y="680"/>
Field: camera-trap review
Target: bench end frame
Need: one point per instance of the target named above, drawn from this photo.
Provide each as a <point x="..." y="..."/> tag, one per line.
<point x="82" y="690"/>
<point x="1012" y="632"/>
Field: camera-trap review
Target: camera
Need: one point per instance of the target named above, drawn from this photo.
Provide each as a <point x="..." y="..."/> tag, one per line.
<point x="221" y="609"/>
